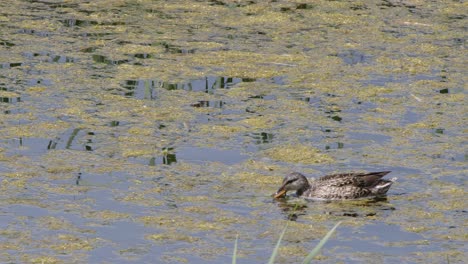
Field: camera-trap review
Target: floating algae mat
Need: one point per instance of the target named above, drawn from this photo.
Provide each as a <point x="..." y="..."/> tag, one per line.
<point x="156" y="131"/>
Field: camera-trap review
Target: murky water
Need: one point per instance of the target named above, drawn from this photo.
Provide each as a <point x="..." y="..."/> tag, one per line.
<point x="156" y="131"/>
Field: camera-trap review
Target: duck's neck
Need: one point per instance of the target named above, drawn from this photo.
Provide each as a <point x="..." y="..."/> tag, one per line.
<point x="304" y="188"/>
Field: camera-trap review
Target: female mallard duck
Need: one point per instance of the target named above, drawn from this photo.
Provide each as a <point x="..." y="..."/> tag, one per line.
<point x="337" y="186"/>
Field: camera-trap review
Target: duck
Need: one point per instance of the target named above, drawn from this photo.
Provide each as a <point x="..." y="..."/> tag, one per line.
<point x="341" y="186"/>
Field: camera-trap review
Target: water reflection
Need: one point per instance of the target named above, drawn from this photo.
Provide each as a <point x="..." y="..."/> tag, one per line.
<point x="264" y="97"/>
<point x="262" y="137"/>
<point x="336" y="145"/>
<point x="140" y="89"/>
<point x="146" y="89"/>
<point x="6" y="44"/>
<point x="170" y="48"/>
<point x="169" y="156"/>
<point x="10" y="65"/>
<point x="71" y="22"/>
<point x="213" y="104"/>
<point x="10" y="100"/>
<point x="293" y="207"/>
<point x="142" y="56"/>
<point x="444" y="91"/>
<point x="103" y="59"/>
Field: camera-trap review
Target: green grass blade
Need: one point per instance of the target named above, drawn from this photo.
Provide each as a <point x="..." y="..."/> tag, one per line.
<point x="275" y="251"/>
<point x="234" y="254"/>
<point x="317" y="248"/>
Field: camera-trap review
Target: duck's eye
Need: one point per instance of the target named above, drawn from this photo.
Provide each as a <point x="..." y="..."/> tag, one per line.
<point x="290" y="181"/>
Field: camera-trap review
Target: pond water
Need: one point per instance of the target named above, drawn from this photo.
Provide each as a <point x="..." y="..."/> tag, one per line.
<point x="156" y="131"/>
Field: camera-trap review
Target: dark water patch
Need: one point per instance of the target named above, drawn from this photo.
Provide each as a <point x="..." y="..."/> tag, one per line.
<point x="103" y="59"/>
<point x="141" y="89"/>
<point x="89" y="49"/>
<point x="444" y="91"/>
<point x="332" y="114"/>
<point x="10" y="100"/>
<point x="174" y="49"/>
<point x="10" y="65"/>
<point x="327" y="130"/>
<point x="305" y="6"/>
<point x="159" y="13"/>
<point x="335" y="145"/>
<point x="143" y="56"/>
<point x="439" y="131"/>
<point x="457" y="16"/>
<point x="335" y="118"/>
<point x="6" y="43"/>
<point x="264" y="97"/>
<point x="31" y="55"/>
<point x="352" y="57"/>
<point x="313" y="100"/>
<point x="72" y="22"/>
<point x="358" y="6"/>
<point x="100" y="35"/>
<point x="116" y="123"/>
<point x="48" y="57"/>
<point x="460" y="42"/>
<point x="261" y="137"/>
<point x="213" y="104"/>
<point x="232" y="4"/>
<point x="396" y="3"/>
<point x="63" y="59"/>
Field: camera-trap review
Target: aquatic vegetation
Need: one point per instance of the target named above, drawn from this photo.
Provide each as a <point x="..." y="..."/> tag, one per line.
<point x="126" y="133"/>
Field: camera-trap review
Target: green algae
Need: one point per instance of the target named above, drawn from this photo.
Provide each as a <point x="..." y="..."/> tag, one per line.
<point x="65" y="110"/>
<point x="298" y="154"/>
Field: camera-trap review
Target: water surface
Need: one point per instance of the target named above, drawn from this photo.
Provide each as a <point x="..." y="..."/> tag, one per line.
<point x="156" y="131"/>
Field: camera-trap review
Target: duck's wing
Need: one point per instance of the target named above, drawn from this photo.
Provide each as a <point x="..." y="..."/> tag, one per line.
<point x="366" y="179"/>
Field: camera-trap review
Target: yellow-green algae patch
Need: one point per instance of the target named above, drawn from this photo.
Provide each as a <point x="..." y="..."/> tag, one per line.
<point x="248" y="179"/>
<point x="173" y="237"/>
<point x="107" y="215"/>
<point x="42" y="259"/>
<point x="302" y="43"/>
<point x="298" y="154"/>
<point x="68" y="243"/>
<point x="41" y="130"/>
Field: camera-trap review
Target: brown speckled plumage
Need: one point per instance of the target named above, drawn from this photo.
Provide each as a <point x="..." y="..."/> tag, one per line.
<point x="337" y="186"/>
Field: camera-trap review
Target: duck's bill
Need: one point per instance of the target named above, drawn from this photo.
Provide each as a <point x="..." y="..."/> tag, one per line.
<point x="279" y="194"/>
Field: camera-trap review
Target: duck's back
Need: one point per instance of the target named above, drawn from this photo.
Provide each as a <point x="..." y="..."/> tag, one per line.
<point x="349" y="186"/>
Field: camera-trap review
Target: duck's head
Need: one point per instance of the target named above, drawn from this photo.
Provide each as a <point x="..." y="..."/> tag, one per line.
<point x="293" y="182"/>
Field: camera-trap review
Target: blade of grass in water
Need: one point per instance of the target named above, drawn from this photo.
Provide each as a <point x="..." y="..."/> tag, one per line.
<point x="275" y="251"/>
<point x="317" y="248"/>
<point x="234" y="254"/>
